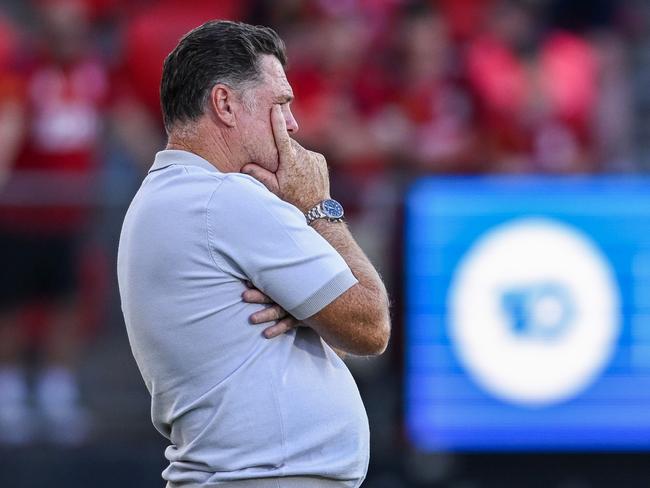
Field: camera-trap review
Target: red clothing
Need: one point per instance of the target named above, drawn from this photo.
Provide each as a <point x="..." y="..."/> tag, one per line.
<point x="9" y="84"/>
<point x="50" y="184"/>
<point x="465" y="17"/>
<point x="65" y="105"/>
<point x="524" y="102"/>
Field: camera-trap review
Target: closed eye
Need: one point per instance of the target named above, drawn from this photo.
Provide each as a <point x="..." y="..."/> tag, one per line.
<point x="286" y="99"/>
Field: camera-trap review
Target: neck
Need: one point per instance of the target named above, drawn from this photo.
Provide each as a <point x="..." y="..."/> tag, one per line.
<point x="209" y="144"/>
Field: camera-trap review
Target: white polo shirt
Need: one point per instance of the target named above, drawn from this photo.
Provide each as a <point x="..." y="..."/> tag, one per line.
<point x="235" y="405"/>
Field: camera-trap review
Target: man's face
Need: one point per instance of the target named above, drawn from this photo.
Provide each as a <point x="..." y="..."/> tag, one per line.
<point x="254" y="120"/>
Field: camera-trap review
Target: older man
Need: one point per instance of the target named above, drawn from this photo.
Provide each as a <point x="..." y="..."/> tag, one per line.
<point x="234" y="213"/>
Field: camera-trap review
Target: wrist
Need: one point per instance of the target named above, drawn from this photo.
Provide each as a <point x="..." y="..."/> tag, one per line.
<point x="307" y="204"/>
<point x="324" y="226"/>
<point x="328" y="209"/>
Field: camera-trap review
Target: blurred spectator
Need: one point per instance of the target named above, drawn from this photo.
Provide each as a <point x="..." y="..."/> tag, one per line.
<point x="440" y="133"/>
<point x="45" y="210"/>
<point x="536" y="94"/>
<point x="9" y="97"/>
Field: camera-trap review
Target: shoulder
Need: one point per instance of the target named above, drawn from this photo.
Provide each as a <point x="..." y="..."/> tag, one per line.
<point x="245" y="191"/>
<point x="247" y="200"/>
<point x="238" y="183"/>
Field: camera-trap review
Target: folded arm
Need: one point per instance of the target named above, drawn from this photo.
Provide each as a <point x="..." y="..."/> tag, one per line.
<point x="358" y="321"/>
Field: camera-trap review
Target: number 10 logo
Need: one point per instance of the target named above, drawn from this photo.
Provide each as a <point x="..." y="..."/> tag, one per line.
<point x="534" y="311"/>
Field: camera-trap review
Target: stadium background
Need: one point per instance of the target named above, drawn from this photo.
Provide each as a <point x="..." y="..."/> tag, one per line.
<point x="390" y="91"/>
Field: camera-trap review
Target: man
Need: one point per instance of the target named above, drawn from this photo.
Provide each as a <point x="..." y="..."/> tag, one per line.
<point x="243" y="408"/>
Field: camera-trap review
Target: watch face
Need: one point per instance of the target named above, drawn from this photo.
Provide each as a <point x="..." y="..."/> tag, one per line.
<point x="332" y="209"/>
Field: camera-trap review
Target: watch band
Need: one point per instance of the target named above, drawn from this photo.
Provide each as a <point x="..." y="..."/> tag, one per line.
<point x="316" y="212"/>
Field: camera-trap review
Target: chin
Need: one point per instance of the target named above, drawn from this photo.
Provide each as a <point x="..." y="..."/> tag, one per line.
<point x="266" y="160"/>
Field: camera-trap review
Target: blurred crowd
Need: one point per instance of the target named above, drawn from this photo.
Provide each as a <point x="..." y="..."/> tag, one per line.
<point x="387" y="89"/>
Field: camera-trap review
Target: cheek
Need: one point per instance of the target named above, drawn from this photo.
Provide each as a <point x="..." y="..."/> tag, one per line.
<point x="261" y="145"/>
<point x="265" y="139"/>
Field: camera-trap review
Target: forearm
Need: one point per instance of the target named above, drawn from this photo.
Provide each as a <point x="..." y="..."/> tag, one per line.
<point x="339" y="236"/>
<point x="360" y="323"/>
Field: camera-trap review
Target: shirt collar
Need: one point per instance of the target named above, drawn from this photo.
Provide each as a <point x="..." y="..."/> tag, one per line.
<point x="183" y="158"/>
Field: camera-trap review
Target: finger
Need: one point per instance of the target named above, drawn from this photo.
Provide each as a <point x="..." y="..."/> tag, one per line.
<point x="269" y="314"/>
<point x="253" y="295"/>
<point x="280" y="134"/>
<point x="281" y="327"/>
<point x="296" y="145"/>
<point x="262" y="175"/>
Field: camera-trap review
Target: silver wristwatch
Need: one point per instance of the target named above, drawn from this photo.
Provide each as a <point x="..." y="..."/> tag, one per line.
<point x="327" y="209"/>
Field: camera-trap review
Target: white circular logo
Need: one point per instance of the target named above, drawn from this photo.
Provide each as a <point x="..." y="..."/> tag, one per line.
<point x="534" y="311"/>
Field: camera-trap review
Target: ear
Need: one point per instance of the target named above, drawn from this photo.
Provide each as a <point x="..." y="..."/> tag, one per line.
<point x="223" y="102"/>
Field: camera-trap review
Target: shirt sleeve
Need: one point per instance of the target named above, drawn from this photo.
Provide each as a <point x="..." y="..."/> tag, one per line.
<point x="254" y="235"/>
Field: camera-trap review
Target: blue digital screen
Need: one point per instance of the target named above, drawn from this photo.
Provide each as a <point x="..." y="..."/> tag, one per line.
<point x="528" y="314"/>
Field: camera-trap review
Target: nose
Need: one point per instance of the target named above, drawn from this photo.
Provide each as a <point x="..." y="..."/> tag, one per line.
<point x="290" y="120"/>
